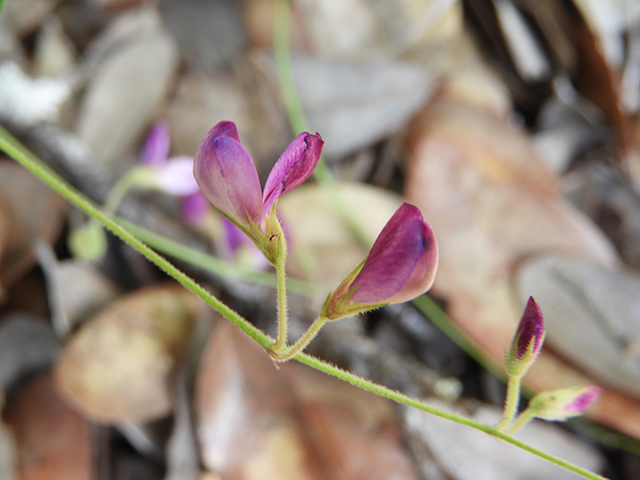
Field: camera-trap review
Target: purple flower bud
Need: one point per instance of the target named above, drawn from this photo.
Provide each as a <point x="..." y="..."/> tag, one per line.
<point x="527" y="342"/>
<point x="227" y="177"/>
<point x="400" y="266"/>
<point x="293" y="167"/>
<point x="402" y="262"/>
<point x="176" y="177"/>
<point x="530" y="329"/>
<point x="226" y="174"/>
<point x="155" y="150"/>
<point x="564" y="403"/>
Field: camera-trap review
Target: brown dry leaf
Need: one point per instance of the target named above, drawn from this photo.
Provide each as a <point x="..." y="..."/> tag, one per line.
<point x="34" y="211"/>
<point x="118" y="366"/>
<point x="492" y="202"/>
<point x="259" y="422"/>
<point x="53" y="440"/>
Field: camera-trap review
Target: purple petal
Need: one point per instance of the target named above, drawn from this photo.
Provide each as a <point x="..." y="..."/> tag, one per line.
<point x="226" y="175"/>
<point x="402" y="262"/>
<point x="531" y="328"/>
<point x="293" y="167"/>
<point x="194" y="207"/>
<point x="176" y="177"/>
<point x="156" y="147"/>
<point x="584" y="400"/>
<point x="233" y="236"/>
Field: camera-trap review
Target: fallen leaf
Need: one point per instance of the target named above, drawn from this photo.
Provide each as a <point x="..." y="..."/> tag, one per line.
<point x="126" y="91"/>
<point x="118" y="366"/>
<point x="53" y="440"/>
<point x="468" y="454"/>
<point x="27" y="345"/>
<point x="337" y="99"/>
<point x="33" y="212"/>
<point x="492" y="202"/>
<point x="259" y="422"/>
<point x="592" y="315"/>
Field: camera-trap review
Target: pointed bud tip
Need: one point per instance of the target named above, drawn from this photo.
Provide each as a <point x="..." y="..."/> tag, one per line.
<point x="530" y="329"/>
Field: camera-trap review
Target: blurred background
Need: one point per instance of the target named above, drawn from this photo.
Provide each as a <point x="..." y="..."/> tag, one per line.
<point x="512" y="125"/>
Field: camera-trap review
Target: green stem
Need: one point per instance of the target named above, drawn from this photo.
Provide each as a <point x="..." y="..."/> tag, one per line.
<point x="23" y="156"/>
<point x="301" y="343"/>
<point x="282" y="305"/>
<point x="211" y="263"/>
<point x="524" y="418"/>
<point x="297" y="119"/>
<point x="511" y="402"/>
<point x="119" y="190"/>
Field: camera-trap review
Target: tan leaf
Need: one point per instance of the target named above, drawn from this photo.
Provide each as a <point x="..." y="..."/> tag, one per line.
<point x="119" y="365"/>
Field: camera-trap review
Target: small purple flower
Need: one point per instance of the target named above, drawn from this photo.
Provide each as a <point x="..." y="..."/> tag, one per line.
<point x="155" y="150"/>
<point x="400" y="266"/>
<point x="228" y="178"/>
<point x="173" y="176"/>
<point x="527" y="342"/>
<point x="564" y="403"/>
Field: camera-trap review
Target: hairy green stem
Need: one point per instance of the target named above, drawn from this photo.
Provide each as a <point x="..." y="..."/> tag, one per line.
<point x="212" y="264"/>
<point x="511" y="402"/>
<point x="23" y="156"/>
<point x="281" y="341"/>
<point x="283" y="355"/>
<point x="524" y="418"/>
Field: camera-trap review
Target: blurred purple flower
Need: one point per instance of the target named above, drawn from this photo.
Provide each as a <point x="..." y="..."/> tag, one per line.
<point x="228" y="178"/>
<point x="400" y="266"/>
<point x="155" y="150"/>
<point x="174" y="175"/>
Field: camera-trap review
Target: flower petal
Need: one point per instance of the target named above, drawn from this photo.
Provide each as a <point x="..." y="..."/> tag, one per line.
<point x="530" y="329"/>
<point x="227" y="176"/>
<point x="176" y="177"/>
<point x="156" y="146"/>
<point x="293" y="167"/>
<point x="194" y="207"/>
<point x="402" y="262"/>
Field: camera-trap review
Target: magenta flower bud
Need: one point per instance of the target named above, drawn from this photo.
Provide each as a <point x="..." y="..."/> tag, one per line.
<point x="228" y="178"/>
<point x="527" y="342"/>
<point x="155" y="150"/>
<point x="400" y="266"/>
<point x="564" y="403"/>
<point x="293" y="167"/>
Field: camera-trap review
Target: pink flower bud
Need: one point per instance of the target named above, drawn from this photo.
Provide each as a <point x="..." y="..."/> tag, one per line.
<point x="227" y="177"/>
<point x="400" y="266"/>
<point x="527" y="342"/>
<point x="564" y="403"/>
